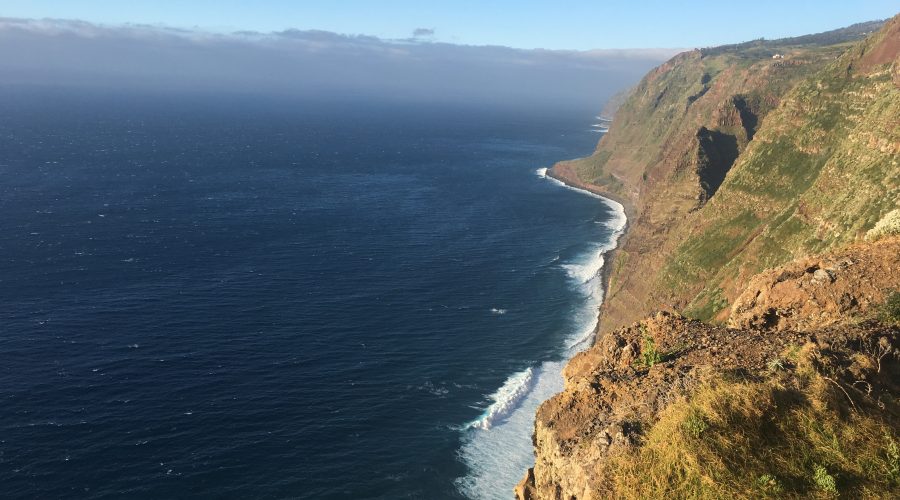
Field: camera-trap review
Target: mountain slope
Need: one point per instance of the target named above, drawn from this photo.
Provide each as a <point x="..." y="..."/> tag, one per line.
<point x="731" y="162"/>
<point x="752" y="183"/>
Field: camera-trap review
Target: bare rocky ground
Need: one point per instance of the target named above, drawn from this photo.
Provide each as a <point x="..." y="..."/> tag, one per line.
<point x="819" y="291"/>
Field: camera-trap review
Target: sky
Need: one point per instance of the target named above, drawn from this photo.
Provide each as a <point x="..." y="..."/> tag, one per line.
<point x="528" y="24"/>
<point x="560" y="55"/>
<point x="309" y="65"/>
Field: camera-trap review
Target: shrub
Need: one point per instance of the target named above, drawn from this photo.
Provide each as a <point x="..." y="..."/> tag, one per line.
<point x="769" y="484"/>
<point x="890" y="310"/>
<point x="649" y="355"/>
<point x="824" y="481"/>
<point x="695" y="424"/>
<point x="888" y="225"/>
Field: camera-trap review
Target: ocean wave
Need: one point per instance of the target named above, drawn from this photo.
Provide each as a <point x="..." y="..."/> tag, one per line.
<point x="616" y="223"/>
<point x="584" y="325"/>
<point x="497" y="457"/>
<point x="506" y="399"/>
<point x="541" y="172"/>
<point x="573" y="188"/>
<point x="584" y="272"/>
<point x="497" y="447"/>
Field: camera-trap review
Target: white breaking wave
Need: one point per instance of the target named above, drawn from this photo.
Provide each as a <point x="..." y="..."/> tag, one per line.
<point x="582" y="191"/>
<point x="497" y="447"/>
<point x="541" y="172"/>
<point x="584" y="272"/>
<point x="498" y="457"/>
<point x="506" y="399"/>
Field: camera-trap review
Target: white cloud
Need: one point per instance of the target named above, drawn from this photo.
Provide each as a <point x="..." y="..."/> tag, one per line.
<point x="308" y="62"/>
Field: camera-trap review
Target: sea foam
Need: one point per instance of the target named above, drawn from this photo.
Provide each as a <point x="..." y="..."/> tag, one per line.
<point x="497" y="447"/>
<point x="506" y="399"/>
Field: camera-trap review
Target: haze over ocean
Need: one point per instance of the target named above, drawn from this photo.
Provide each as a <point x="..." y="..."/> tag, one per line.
<point x="249" y="297"/>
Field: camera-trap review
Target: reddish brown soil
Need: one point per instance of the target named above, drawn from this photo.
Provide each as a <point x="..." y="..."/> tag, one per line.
<point x="818" y="291"/>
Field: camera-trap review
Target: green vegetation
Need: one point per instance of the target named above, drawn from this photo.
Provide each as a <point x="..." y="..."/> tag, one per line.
<point x="793" y="435"/>
<point x="620" y="261"/>
<point x="803" y="186"/>
<point x="890" y="311"/>
<point x="888" y="225"/>
<point x="649" y="355"/>
<point x="706" y="305"/>
<point x="695" y="424"/>
<point x="768" y="47"/>
<point x="824" y="480"/>
<point x="769" y="485"/>
<point x="709" y="251"/>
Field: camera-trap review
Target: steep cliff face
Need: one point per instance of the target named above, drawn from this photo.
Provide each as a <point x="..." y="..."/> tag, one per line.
<point x="674" y="406"/>
<point x="731" y="163"/>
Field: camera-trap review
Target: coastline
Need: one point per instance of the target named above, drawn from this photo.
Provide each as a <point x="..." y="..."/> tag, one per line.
<point x="610" y="255"/>
<point x="509" y="420"/>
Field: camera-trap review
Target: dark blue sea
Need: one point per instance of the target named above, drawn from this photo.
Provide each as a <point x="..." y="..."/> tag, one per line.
<point x="236" y="297"/>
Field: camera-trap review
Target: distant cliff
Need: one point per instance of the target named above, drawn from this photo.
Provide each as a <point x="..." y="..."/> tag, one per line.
<point x="732" y="161"/>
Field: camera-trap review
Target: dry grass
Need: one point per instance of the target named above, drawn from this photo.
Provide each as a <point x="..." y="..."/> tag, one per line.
<point x="795" y="434"/>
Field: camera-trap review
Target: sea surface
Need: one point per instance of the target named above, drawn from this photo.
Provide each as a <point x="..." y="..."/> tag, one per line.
<point x="243" y="298"/>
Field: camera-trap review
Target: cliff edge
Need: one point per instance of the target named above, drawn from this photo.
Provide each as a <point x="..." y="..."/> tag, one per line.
<point x="748" y="345"/>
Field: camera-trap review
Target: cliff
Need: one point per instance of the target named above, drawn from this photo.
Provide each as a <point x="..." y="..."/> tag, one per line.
<point x="731" y="162"/>
<point x="751" y="183"/>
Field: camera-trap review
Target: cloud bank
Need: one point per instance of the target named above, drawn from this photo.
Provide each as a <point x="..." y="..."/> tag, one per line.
<point x="310" y="64"/>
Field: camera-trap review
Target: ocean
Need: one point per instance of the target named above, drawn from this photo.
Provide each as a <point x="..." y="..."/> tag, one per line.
<point x="248" y="298"/>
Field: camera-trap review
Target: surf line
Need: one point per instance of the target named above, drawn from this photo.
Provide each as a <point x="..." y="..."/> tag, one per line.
<point x="587" y="276"/>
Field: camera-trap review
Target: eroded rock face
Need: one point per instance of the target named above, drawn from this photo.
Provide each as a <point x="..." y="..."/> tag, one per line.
<point x="616" y="389"/>
<point x="612" y="392"/>
<point x="814" y="292"/>
<point x="613" y="395"/>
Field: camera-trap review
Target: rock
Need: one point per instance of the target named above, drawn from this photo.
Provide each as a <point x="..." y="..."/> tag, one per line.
<point x="778" y="300"/>
<point x="525" y="489"/>
<point x="847" y="302"/>
<point x="823" y="276"/>
<point x="604" y="414"/>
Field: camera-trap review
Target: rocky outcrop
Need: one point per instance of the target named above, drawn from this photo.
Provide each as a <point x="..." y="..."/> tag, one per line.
<point x="616" y="391"/>
<point x="814" y="292"/>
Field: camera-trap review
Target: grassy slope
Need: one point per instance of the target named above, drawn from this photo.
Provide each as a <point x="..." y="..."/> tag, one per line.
<point x="793" y="435"/>
<point x="820" y="170"/>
